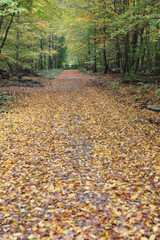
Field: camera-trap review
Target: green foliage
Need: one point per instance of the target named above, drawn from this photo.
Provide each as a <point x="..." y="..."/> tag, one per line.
<point x="102" y="36"/>
<point x="158" y="91"/>
<point x="4" y="98"/>
<point x="131" y="77"/>
<point x="50" y="74"/>
<point x="37" y="22"/>
<point x="127" y="32"/>
<point x="8" y="7"/>
<point x="114" y="85"/>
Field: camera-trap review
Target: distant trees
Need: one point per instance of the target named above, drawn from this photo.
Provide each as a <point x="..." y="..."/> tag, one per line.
<point x="28" y="34"/>
<point x="8" y="10"/>
<point x="102" y="35"/>
<point x="52" y="52"/>
<point x="114" y="34"/>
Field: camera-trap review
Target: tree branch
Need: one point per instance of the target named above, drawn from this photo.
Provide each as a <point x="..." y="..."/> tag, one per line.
<point x="152" y="108"/>
<point x="151" y="120"/>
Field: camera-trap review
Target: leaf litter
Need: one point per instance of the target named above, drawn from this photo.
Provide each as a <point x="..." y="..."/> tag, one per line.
<point x="73" y="165"/>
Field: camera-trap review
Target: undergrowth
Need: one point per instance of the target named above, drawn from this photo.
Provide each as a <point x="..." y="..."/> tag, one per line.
<point x="50" y="74"/>
<point x="5" y="99"/>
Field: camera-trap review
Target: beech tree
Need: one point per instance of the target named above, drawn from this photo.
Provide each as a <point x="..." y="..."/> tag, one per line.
<point x="114" y="35"/>
<point x="30" y="38"/>
<point x="101" y="35"/>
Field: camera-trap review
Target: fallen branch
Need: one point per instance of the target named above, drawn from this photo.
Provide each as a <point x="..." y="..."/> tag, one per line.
<point x="17" y="69"/>
<point x="152" y="108"/>
<point x="151" y="120"/>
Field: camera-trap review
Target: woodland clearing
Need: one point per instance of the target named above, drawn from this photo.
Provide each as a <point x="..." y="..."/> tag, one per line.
<point x="79" y="161"/>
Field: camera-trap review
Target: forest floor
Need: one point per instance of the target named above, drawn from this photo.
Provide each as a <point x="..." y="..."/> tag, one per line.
<point x="79" y="160"/>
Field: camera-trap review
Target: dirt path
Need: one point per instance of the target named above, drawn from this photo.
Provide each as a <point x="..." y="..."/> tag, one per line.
<point x="74" y="166"/>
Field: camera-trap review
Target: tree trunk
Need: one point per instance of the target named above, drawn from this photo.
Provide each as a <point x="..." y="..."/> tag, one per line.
<point x="53" y="49"/>
<point x="134" y="47"/>
<point x="95" y="55"/>
<point x="1" y="21"/>
<point x="149" y="61"/>
<point x="106" y="67"/>
<point x="50" y="66"/>
<point x="118" y="57"/>
<point x="41" y="55"/>
<point x="157" y="56"/>
<point x="44" y="61"/>
<point x="17" y="41"/>
<point x="140" y="49"/>
<point x="126" y="55"/>
<point x="6" y="34"/>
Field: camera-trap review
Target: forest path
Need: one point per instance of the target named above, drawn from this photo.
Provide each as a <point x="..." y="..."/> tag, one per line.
<point x="73" y="166"/>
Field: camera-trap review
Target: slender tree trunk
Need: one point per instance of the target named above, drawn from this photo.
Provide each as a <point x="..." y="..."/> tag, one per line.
<point x="55" y="56"/>
<point x="126" y="52"/>
<point x="149" y="60"/>
<point x="49" y="57"/>
<point x="88" y="57"/>
<point x="17" y="47"/>
<point x="36" y="64"/>
<point x="95" y="61"/>
<point x="6" y="34"/>
<point x="157" y="56"/>
<point x="53" y="49"/>
<point x="140" y="49"/>
<point x="118" y="57"/>
<point x="106" y="67"/>
<point x="17" y="41"/>
<point x="45" y="61"/>
<point x="1" y="21"/>
<point x="41" y="55"/>
<point x="95" y="54"/>
<point x="134" y="47"/>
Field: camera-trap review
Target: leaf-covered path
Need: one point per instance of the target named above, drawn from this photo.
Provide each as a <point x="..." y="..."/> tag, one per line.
<point x="74" y="166"/>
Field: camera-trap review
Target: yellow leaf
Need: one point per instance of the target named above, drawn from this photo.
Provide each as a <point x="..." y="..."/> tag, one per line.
<point x="17" y="234"/>
<point x="33" y="236"/>
<point x="34" y="228"/>
<point x="115" y="214"/>
<point x="152" y="237"/>
<point x="43" y="230"/>
<point x="51" y="210"/>
<point x="155" y="229"/>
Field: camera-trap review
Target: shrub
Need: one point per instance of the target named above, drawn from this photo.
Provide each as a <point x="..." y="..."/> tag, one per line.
<point x="4" y="98"/>
<point x="131" y="77"/>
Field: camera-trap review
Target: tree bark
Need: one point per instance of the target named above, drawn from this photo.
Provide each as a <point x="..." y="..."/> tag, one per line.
<point x="41" y="55"/>
<point x="127" y="58"/>
<point x="95" y="55"/>
<point x="118" y="57"/>
<point x="152" y="108"/>
<point x="6" y="34"/>
<point x="1" y="21"/>
<point x="134" y="46"/>
<point x="50" y="65"/>
<point x="106" y="68"/>
<point x="17" y="43"/>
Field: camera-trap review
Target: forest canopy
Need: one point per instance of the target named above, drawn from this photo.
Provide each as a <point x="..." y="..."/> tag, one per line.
<point x="100" y="35"/>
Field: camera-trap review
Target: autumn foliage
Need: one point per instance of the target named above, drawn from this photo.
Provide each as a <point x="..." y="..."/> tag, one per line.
<point x="77" y="163"/>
